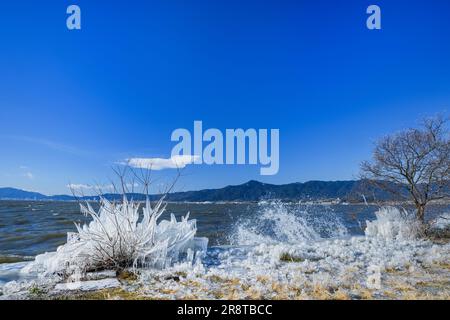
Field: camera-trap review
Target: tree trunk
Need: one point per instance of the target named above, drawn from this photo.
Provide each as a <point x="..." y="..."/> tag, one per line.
<point x="421" y="213"/>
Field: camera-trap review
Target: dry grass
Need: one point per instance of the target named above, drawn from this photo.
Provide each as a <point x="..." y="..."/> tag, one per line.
<point x="286" y="257"/>
<point x="127" y="276"/>
<point x="366" y="294"/>
<point x="341" y="295"/>
<point x="106" y="294"/>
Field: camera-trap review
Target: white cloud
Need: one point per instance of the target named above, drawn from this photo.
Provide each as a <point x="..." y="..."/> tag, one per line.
<point x="28" y="175"/>
<point x="105" y="187"/>
<point x="131" y="185"/>
<point x="75" y="186"/>
<point x="175" y="162"/>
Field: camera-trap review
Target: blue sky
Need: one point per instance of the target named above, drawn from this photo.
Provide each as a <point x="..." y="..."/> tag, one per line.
<point x="74" y="103"/>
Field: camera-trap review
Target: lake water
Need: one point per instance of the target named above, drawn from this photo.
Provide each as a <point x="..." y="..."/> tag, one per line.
<point x="31" y="228"/>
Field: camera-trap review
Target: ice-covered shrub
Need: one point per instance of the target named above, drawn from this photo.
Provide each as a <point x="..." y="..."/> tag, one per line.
<point x="442" y="222"/>
<point x="393" y="224"/>
<point x="119" y="236"/>
<point x="440" y="227"/>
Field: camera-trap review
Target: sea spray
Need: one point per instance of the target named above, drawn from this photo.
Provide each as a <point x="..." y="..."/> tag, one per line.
<point x="278" y="222"/>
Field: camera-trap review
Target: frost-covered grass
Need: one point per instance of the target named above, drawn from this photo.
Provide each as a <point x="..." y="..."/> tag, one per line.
<point x="325" y="270"/>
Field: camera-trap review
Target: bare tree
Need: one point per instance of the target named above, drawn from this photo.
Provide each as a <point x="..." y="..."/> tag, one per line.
<point x="417" y="159"/>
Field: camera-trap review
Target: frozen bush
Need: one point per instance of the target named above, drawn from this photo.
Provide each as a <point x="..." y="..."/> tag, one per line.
<point x="393" y="224"/>
<point x="119" y="237"/>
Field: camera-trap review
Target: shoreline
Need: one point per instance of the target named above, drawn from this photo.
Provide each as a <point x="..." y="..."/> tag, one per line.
<point x="327" y="202"/>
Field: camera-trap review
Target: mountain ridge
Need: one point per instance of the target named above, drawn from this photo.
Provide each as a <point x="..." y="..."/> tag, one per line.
<point x="346" y="190"/>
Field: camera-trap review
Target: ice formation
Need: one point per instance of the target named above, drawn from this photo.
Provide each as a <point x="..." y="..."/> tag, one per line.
<point x="119" y="237"/>
<point x="393" y="224"/>
<point x="442" y="222"/>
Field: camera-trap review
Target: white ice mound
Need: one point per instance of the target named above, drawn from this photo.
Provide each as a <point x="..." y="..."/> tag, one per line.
<point x="118" y="237"/>
<point x="393" y="224"/>
<point x="442" y="222"/>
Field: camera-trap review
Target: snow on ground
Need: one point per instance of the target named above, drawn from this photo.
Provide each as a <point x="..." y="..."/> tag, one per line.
<point x="346" y="268"/>
<point x="88" y="285"/>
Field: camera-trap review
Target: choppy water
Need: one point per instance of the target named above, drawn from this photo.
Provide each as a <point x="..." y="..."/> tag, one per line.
<point x="31" y="228"/>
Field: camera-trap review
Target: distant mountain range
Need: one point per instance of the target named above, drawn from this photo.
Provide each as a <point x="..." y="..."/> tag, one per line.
<point x="350" y="191"/>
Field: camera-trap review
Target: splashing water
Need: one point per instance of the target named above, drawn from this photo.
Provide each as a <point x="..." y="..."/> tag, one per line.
<point x="278" y="222"/>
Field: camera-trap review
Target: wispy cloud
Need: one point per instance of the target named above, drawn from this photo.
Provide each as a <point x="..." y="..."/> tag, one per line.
<point x="26" y="172"/>
<point x="86" y="187"/>
<point x="175" y="162"/>
<point x="79" y="186"/>
<point x="50" y="144"/>
<point x="29" y="175"/>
